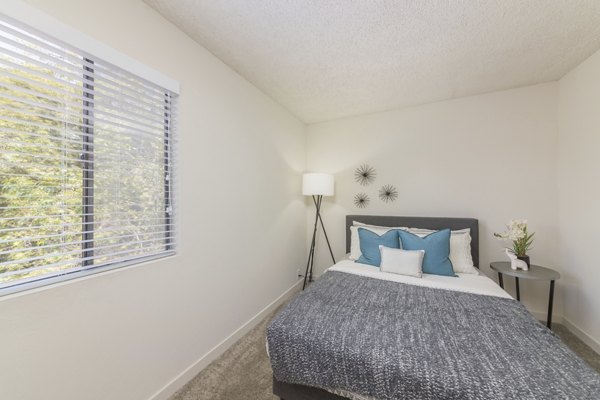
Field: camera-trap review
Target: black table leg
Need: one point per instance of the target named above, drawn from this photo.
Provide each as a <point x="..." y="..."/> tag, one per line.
<point x="549" y="320"/>
<point x="518" y="291"/>
<point x="500" y="280"/>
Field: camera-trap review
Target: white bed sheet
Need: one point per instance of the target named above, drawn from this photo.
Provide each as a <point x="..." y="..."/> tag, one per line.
<point x="468" y="283"/>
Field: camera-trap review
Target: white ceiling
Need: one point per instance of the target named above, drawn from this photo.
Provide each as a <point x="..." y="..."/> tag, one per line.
<point x="325" y="59"/>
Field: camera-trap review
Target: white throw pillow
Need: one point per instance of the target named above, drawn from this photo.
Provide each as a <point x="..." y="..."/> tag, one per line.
<point x="355" y="252"/>
<point x="403" y="262"/>
<point x="460" y="249"/>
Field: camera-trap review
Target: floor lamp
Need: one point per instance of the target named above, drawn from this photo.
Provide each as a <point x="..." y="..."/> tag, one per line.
<point x="316" y="185"/>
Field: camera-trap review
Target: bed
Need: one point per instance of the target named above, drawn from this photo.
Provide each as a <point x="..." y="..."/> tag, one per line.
<point x="358" y="334"/>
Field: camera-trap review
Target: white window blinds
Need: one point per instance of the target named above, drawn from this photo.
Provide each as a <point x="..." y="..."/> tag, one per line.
<point x="86" y="162"/>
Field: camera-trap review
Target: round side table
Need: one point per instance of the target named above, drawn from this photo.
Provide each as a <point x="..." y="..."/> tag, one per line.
<point x="535" y="272"/>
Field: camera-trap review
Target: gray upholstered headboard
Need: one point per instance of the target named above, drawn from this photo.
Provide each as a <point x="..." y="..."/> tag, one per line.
<point x="434" y="223"/>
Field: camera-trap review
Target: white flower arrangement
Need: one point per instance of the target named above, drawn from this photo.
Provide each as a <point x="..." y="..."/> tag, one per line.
<point x="517" y="233"/>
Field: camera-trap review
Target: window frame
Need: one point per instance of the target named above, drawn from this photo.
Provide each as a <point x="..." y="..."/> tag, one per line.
<point x="32" y="19"/>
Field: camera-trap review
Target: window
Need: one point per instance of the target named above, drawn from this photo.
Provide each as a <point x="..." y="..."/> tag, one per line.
<point x="86" y="162"/>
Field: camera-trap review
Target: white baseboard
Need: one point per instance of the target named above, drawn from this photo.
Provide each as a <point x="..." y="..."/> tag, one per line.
<point x="585" y="338"/>
<point x="574" y="329"/>
<point x="170" y="388"/>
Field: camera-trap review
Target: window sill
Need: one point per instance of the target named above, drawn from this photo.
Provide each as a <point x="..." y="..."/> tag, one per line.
<point x="77" y="276"/>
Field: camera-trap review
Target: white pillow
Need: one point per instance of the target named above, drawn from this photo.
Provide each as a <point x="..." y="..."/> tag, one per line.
<point x="460" y="249"/>
<point x="403" y="262"/>
<point x="355" y="252"/>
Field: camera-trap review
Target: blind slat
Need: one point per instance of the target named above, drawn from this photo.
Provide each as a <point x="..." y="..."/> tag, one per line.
<point x="102" y="122"/>
<point x="163" y="235"/>
<point x="78" y="215"/>
<point x="66" y="224"/>
<point x="60" y="57"/>
<point x="95" y="106"/>
<point x="75" y="252"/>
<point x="136" y="109"/>
<point x="159" y="227"/>
<point x="79" y="152"/>
<point x="71" y="140"/>
<point x="154" y="250"/>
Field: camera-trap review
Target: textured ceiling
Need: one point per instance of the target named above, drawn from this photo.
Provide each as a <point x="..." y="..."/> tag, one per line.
<point x="325" y="59"/>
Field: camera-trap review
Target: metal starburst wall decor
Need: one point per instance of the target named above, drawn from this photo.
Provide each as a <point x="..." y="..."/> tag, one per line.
<point x="365" y="174"/>
<point x="388" y="193"/>
<point x="361" y="200"/>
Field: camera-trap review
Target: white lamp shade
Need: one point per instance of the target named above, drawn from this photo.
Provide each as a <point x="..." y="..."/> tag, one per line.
<point x="317" y="184"/>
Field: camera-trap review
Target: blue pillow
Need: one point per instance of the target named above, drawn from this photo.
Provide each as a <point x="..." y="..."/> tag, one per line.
<point x="437" y="250"/>
<point x="369" y="245"/>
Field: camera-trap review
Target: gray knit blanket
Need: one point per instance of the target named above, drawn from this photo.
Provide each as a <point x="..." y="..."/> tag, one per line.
<point x="387" y="340"/>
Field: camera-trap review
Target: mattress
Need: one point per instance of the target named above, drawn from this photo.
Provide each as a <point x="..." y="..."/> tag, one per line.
<point x="467" y="283"/>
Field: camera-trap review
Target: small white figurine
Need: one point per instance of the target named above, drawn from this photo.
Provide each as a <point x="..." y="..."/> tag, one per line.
<point x="515" y="263"/>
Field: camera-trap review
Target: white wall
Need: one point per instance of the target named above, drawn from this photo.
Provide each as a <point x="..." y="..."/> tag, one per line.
<point x="579" y="190"/>
<point x="491" y="157"/>
<point x="124" y="335"/>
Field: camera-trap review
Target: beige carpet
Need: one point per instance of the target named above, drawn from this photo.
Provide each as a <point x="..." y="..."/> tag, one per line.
<point x="243" y="372"/>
